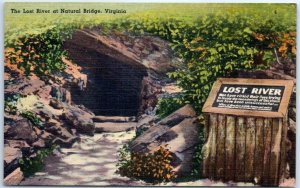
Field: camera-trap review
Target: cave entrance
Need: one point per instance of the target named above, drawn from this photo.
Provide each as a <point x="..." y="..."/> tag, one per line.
<point x="114" y="80"/>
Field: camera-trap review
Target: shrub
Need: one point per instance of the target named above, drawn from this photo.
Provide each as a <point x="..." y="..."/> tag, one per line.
<point x="166" y="106"/>
<point x="40" y="54"/>
<point x="31" y="165"/>
<point x="36" y="121"/>
<point x="10" y="103"/>
<point x="218" y="45"/>
<point x="154" y="168"/>
<point x="198" y="155"/>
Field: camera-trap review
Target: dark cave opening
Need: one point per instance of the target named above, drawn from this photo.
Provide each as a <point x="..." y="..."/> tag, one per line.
<point x="113" y="87"/>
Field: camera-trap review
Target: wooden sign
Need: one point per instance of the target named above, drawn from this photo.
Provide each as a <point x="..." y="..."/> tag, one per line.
<point x="249" y="97"/>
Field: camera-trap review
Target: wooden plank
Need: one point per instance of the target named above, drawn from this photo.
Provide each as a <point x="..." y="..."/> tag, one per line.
<point x="220" y="161"/>
<point x="213" y="146"/>
<point x="206" y="127"/>
<point x="259" y="150"/>
<point x="250" y="149"/>
<point x="267" y="151"/>
<point x="240" y="150"/>
<point x="283" y="164"/>
<point x="206" y="147"/>
<point x="275" y="151"/>
<point x="230" y="147"/>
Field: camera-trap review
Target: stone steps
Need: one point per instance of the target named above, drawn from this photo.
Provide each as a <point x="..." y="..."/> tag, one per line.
<point x="114" y="126"/>
<point x="117" y="119"/>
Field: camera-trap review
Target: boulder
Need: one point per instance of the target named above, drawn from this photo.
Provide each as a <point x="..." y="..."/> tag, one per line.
<point x="181" y="140"/>
<point x="11" y="158"/>
<point x="14" y="178"/>
<point x="20" y="144"/>
<point x="178" y="133"/>
<point x="40" y="143"/>
<point x="22" y="130"/>
<point x="186" y="111"/>
<point x="55" y="103"/>
<point x="81" y="120"/>
<point x="56" y="128"/>
<point x="144" y="123"/>
<point x="28" y="86"/>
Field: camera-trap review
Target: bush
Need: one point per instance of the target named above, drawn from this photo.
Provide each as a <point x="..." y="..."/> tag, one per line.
<point x="198" y="155"/>
<point x="154" y="168"/>
<point x="36" y="121"/>
<point x="10" y="103"/>
<point x="40" y="54"/>
<point x="31" y="165"/>
<point x="218" y="45"/>
<point x="166" y="106"/>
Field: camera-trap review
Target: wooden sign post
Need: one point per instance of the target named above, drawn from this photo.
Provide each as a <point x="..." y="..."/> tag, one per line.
<point x="245" y="131"/>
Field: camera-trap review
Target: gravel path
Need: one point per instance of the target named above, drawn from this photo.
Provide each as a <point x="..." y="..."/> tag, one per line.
<point x="92" y="161"/>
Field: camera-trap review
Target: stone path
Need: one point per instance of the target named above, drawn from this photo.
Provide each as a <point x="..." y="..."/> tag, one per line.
<point x="92" y="161"/>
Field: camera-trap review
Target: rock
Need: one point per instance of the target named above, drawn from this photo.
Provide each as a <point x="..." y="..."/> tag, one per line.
<point x="113" y="119"/>
<point x="180" y="140"/>
<point x="37" y="131"/>
<point x="20" y="144"/>
<point x="56" y="128"/>
<point x="177" y="116"/>
<point x="65" y="142"/>
<point x="291" y="138"/>
<point x="112" y="127"/>
<point x="140" y="143"/>
<point x="28" y="86"/>
<point x="44" y="113"/>
<point x="6" y="128"/>
<point x="56" y="103"/>
<point x="14" y="178"/>
<point x="149" y="95"/>
<point x="39" y="143"/>
<point x="22" y="130"/>
<point x="144" y="123"/>
<point x="11" y="158"/>
<point x="80" y="120"/>
<point x="292" y="113"/>
<point x="61" y="94"/>
<point x="47" y="137"/>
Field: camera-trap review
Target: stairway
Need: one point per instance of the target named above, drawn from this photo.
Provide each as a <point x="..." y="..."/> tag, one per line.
<point x="114" y="123"/>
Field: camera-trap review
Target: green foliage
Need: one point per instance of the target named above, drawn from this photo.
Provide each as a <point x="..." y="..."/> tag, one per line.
<point x="166" y="106"/>
<point x="31" y="165"/>
<point x="154" y="168"/>
<point x="10" y="106"/>
<point x="216" y="46"/>
<point x="10" y="103"/>
<point x="40" y="54"/>
<point x="36" y="121"/>
<point x="198" y="155"/>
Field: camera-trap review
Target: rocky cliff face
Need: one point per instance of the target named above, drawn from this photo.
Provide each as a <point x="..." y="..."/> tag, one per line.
<point x="119" y="67"/>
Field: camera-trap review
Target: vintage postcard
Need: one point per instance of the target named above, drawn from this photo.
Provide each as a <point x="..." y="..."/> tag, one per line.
<point x="149" y="94"/>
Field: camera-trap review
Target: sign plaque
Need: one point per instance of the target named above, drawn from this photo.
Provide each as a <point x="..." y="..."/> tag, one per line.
<point x="249" y="97"/>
